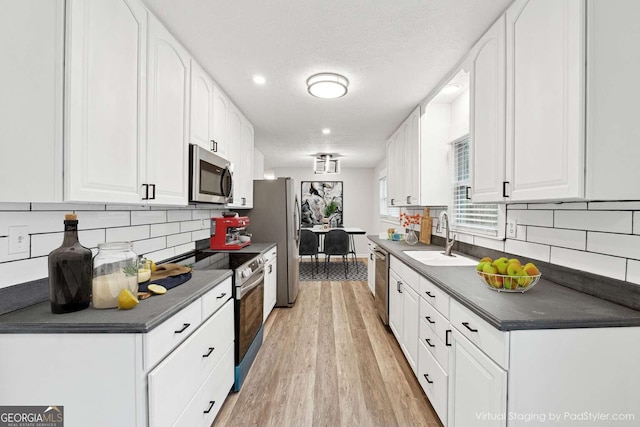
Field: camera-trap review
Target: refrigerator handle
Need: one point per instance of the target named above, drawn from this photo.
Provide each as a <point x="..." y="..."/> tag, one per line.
<point x="296" y="220"/>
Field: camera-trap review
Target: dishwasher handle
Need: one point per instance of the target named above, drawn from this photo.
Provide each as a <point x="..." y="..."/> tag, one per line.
<point x="381" y="255"/>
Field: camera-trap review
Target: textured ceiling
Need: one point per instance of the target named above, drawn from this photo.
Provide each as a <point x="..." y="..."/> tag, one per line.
<point x="392" y="51"/>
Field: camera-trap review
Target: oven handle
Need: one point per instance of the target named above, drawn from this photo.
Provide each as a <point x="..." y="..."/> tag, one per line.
<point x="244" y="289"/>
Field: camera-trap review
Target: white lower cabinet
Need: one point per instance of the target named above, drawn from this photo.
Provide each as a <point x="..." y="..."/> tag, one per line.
<point x="434" y="381"/>
<point x="270" y="281"/>
<point x="404" y="309"/>
<point x="371" y="267"/>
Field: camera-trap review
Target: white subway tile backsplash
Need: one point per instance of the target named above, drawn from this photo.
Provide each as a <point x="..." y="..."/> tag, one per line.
<point x="187" y="247"/>
<point x="200" y="234"/>
<point x="191" y="225"/>
<point x="636" y="223"/>
<point x="542" y="218"/>
<point x="12" y="206"/>
<point x="615" y="206"/>
<point x="43" y="244"/>
<point x="142" y="247"/>
<point x="521" y="232"/>
<point x="127" y="208"/>
<point x="201" y="213"/>
<point x="37" y="222"/>
<point x="527" y="249"/>
<point x="67" y="207"/>
<point x="181" y="215"/>
<point x="485" y="242"/>
<point x="148" y="217"/>
<point x="574" y="239"/>
<point x="559" y="206"/>
<point x="96" y="219"/>
<point x="128" y="234"/>
<point x="593" y="263"/>
<point x="178" y="239"/>
<point x="633" y="271"/>
<point x="622" y="245"/>
<point x="162" y="254"/>
<point x="164" y="229"/>
<point x="26" y="270"/>
<point x="4" y="251"/>
<point x="608" y="221"/>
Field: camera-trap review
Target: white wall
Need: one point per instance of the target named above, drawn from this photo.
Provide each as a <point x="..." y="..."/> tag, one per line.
<point x="359" y="200"/>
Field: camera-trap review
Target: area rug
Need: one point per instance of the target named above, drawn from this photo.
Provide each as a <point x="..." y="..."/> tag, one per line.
<point x="336" y="271"/>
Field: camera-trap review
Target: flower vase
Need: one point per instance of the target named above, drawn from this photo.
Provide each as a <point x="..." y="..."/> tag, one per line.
<point x="411" y="237"/>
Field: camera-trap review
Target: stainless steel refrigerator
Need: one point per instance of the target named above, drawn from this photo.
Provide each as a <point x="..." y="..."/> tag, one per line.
<point x="275" y="217"/>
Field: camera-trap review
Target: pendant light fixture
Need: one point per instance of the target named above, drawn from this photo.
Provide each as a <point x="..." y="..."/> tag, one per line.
<point x="327" y="85"/>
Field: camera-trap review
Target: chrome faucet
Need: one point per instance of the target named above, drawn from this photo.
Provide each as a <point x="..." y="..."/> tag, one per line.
<point x="444" y="217"/>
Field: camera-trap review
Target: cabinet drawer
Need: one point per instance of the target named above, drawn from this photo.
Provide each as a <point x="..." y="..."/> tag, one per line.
<point x="407" y="275"/>
<point x="435" y="296"/>
<point x="270" y="254"/>
<point x="491" y="341"/>
<point x="436" y="321"/>
<point x="436" y="347"/>
<point x="161" y="340"/>
<point x="434" y="382"/>
<point x="176" y="379"/>
<point x="215" y="298"/>
<point x="206" y="404"/>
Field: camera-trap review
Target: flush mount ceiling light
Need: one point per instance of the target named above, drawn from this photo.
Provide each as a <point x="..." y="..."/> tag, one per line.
<point x="327" y="85"/>
<point x="326" y="131"/>
<point x="259" y="80"/>
<point x="451" y="88"/>
<point x="325" y="163"/>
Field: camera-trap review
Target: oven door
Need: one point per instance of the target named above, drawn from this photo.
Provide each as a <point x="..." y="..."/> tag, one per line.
<point x="249" y="312"/>
<point x="210" y="177"/>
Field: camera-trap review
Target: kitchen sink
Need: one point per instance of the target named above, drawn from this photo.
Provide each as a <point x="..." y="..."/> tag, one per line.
<point x="439" y="259"/>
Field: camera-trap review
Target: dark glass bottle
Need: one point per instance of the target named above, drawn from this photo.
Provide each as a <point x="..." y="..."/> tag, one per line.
<point x="70" y="271"/>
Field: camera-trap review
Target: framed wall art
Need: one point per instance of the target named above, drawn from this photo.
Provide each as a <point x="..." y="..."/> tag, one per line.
<point x="320" y="200"/>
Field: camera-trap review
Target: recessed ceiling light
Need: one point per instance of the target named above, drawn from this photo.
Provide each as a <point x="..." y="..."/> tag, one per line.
<point x="326" y="131"/>
<point x="259" y="80"/>
<point x="452" y="88"/>
<point x="327" y="85"/>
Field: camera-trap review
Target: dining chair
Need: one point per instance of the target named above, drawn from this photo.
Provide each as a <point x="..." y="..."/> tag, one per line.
<point x="309" y="246"/>
<point x="336" y="242"/>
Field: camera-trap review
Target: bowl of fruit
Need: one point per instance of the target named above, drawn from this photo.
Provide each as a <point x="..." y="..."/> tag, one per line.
<point x="507" y="275"/>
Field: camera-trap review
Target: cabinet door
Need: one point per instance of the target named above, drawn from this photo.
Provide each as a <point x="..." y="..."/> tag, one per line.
<point x="371" y="272"/>
<point x="105" y="100"/>
<point x="477" y="387"/>
<point x="234" y="151"/>
<point x="411" y="326"/>
<point x="396" y="301"/>
<point x="270" y="287"/>
<point x="398" y="169"/>
<point x="545" y="100"/>
<point x="246" y="137"/>
<point x="220" y="112"/>
<point x="487" y="98"/>
<point x="412" y="159"/>
<point x="201" y="112"/>
<point x="31" y="84"/>
<point x="391" y="164"/>
<point x="166" y="148"/>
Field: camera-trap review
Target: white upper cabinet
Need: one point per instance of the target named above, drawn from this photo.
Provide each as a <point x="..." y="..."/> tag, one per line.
<point x="105" y="123"/>
<point x="31" y="84"/>
<point x="234" y="126"/>
<point x="487" y="115"/>
<point x="168" y="89"/>
<point x="247" y="139"/>
<point x="545" y="100"/>
<point x="435" y="177"/>
<point x="403" y="163"/>
<point x="241" y="142"/>
<point x="221" y="105"/>
<point x="201" y="114"/>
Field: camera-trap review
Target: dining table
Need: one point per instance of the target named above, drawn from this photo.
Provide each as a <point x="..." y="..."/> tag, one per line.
<point x="351" y="231"/>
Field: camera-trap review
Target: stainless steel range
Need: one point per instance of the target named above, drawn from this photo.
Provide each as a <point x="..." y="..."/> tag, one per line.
<point x="248" y="289"/>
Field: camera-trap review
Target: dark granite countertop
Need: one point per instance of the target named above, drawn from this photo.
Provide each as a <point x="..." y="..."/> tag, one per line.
<point x="144" y="317"/>
<point x="545" y="306"/>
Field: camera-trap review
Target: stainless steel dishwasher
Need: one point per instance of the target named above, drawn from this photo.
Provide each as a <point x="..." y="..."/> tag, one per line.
<point x="382" y="284"/>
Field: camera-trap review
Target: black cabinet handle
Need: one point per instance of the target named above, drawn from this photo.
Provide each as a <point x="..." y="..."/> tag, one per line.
<point x="426" y="377"/>
<point x="209" y="353"/>
<point x="270" y="269"/>
<point x="393" y="202"/>
<point x="211" y="403"/>
<point x="244" y="201"/>
<point x="214" y="146"/>
<point x="446" y="338"/>
<point x="222" y="295"/>
<point x="408" y="200"/>
<point x="430" y="294"/>
<point x="398" y="286"/>
<point x="429" y="342"/>
<point x="467" y="193"/>
<point x="146" y="191"/>
<point x="153" y="187"/>
<point x="184" y="328"/>
<point x="429" y="320"/>
<point x="504" y="188"/>
<point x="466" y="325"/>
<point x="371" y="257"/>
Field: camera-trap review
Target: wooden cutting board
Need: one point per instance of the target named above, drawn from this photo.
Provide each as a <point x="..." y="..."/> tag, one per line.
<point x="166" y="270"/>
<point x="425" y="228"/>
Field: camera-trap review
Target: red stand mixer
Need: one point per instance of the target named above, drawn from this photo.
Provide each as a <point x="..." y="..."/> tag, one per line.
<point x="227" y="233"/>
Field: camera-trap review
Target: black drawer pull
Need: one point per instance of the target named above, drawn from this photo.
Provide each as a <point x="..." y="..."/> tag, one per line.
<point x="426" y="377"/>
<point x="184" y="328"/>
<point x="504" y="188"/>
<point x="211" y="403"/>
<point x="221" y="295"/>
<point x="446" y="338"/>
<point x="429" y="342"/>
<point x="209" y="353"/>
<point x="429" y="320"/>
<point x="466" y="325"/>
<point x="430" y="294"/>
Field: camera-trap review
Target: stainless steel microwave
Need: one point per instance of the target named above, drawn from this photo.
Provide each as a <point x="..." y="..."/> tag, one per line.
<point x="210" y="179"/>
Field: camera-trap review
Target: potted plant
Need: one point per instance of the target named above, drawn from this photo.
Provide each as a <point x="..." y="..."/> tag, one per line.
<point x="329" y="210"/>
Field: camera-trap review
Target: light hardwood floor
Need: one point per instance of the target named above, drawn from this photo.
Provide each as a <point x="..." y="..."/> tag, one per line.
<point x="329" y="361"/>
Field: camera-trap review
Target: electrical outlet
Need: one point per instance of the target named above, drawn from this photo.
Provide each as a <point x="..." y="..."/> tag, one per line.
<point x="512" y="228"/>
<point x="18" y="239"/>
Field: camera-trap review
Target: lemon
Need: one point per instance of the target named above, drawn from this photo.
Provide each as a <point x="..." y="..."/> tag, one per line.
<point x="144" y="274"/>
<point x="157" y="289"/>
<point x="153" y="266"/>
<point x="127" y="300"/>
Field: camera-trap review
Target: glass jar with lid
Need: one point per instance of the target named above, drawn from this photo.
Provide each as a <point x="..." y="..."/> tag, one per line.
<point x="115" y="268"/>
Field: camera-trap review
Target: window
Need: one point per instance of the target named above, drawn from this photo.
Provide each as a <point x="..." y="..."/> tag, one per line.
<point x="386" y="211"/>
<point x="467" y="216"/>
